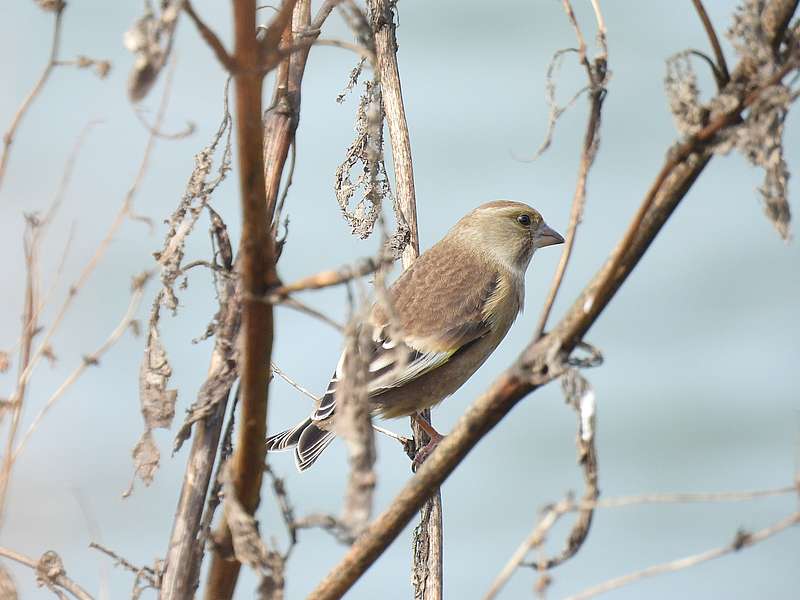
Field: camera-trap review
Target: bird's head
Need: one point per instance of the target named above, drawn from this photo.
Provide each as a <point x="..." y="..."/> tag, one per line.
<point x="506" y="231"/>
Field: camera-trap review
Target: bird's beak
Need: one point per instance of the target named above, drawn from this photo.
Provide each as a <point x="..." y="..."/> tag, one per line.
<point x="548" y="236"/>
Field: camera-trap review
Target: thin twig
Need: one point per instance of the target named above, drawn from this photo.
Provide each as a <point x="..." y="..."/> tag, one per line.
<point x="211" y="39"/>
<point x="721" y="66"/>
<point x="280" y="373"/>
<point x="295" y="304"/>
<point x="740" y="541"/>
<point x="329" y="278"/>
<point x="8" y="137"/>
<point x="147" y="573"/>
<point x="123" y="213"/>
<point x="596" y="74"/>
<point x="89" y="360"/>
<point x="49" y="572"/>
<point x="362" y="51"/>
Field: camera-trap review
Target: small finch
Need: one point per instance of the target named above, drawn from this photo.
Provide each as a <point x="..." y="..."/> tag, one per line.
<point x="450" y="310"/>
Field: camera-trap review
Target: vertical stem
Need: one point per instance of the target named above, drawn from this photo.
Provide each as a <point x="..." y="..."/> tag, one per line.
<point x="427" y="544"/>
<point x="257" y="274"/>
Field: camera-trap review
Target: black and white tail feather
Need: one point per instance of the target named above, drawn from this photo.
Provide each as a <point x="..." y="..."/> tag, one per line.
<point x="391" y="365"/>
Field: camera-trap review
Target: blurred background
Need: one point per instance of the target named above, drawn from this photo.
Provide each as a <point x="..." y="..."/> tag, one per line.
<point x="699" y="387"/>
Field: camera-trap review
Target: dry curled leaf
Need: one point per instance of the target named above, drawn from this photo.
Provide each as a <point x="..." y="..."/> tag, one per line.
<point x="150" y="40"/>
<point x="365" y="157"/>
<point x="157" y="401"/>
<point x="146" y="458"/>
<point x="759" y="134"/>
<point x="5" y="361"/>
<point x="249" y="548"/>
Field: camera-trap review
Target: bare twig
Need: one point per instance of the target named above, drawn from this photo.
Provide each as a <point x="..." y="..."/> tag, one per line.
<point x="362" y="51"/>
<point x="8" y="137"/>
<point x="622" y="501"/>
<point x="580" y="397"/>
<point x="124" y="212"/>
<point x="427" y="547"/>
<point x="257" y="272"/>
<point x="741" y="540"/>
<point x="280" y="373"/>
<point x="721" y="68"/>
<point x="149" y="575"/>
<point x="312" y="312"/>
<point x="50" y="572"/>
<point x="544" y="359"/>
<point x="597" y="75"/>
<point x="210" y="38"/>
<point x="90" y="360"/>
<point x="325" y="279"/>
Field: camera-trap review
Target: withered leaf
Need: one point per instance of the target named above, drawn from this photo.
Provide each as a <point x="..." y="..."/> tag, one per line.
<point x="157" y="401"/>
<point x="146" y="457"/>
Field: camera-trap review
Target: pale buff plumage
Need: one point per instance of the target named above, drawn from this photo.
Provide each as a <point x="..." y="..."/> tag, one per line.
<point x="452" y="307"/>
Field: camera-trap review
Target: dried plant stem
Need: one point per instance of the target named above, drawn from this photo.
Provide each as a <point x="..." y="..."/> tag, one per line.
<point x="740" y="541"/>
<point x="52" y="62"/>
<point x="597" y="79"/>
<point x="88" y="360"/>
<point x="49" y="571"/>
<point x="31" y="360"/>
<point x="721" y="67"/>
<point x="427" y="567"/>
<point x="543" y="359"/>
<point x="257" y="275"/>
<point x="535" y="538"/>
<point x="325" y="279"/>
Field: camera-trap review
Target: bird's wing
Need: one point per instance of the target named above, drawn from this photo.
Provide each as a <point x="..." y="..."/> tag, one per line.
<point x="434" y="316"/>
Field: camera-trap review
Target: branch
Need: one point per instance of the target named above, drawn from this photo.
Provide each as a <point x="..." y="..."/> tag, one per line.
<point x="211" y="39"/>
<point x="49" y="572"/>
<point x="580" y="396"/>
<point x="92" y="359"/>
<point x="329" y="278"/>
<point x="597" y="74"/>
<point x="427" y="543"/>
<point x="543" y="359"/>
<point x="257" y="274"/>
<point x="740" y="541"/>
<point x="8" y="137"/>
<point x="721" y="67"/>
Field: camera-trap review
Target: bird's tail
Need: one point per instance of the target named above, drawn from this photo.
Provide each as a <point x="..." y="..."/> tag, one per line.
<point x="306" y="438"/>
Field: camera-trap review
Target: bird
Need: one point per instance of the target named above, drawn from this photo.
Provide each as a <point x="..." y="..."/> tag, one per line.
<point x="449" y="311"/>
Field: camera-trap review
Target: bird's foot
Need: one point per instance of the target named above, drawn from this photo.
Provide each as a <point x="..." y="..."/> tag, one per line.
<point x="425" y="451"/>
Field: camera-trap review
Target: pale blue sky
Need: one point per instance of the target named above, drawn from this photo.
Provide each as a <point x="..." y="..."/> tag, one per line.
<point x="699" y="388"/>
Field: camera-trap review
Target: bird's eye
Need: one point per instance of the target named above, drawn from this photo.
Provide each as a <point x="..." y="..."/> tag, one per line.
<point x="524" y="220"/>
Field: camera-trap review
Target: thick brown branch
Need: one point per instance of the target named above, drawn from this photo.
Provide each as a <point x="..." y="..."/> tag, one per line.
<point x="542" y="360"/>
<point x="257" y="275"/>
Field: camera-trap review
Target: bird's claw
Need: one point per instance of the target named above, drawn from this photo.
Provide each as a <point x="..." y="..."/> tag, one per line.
<point x="424" y="452"/>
